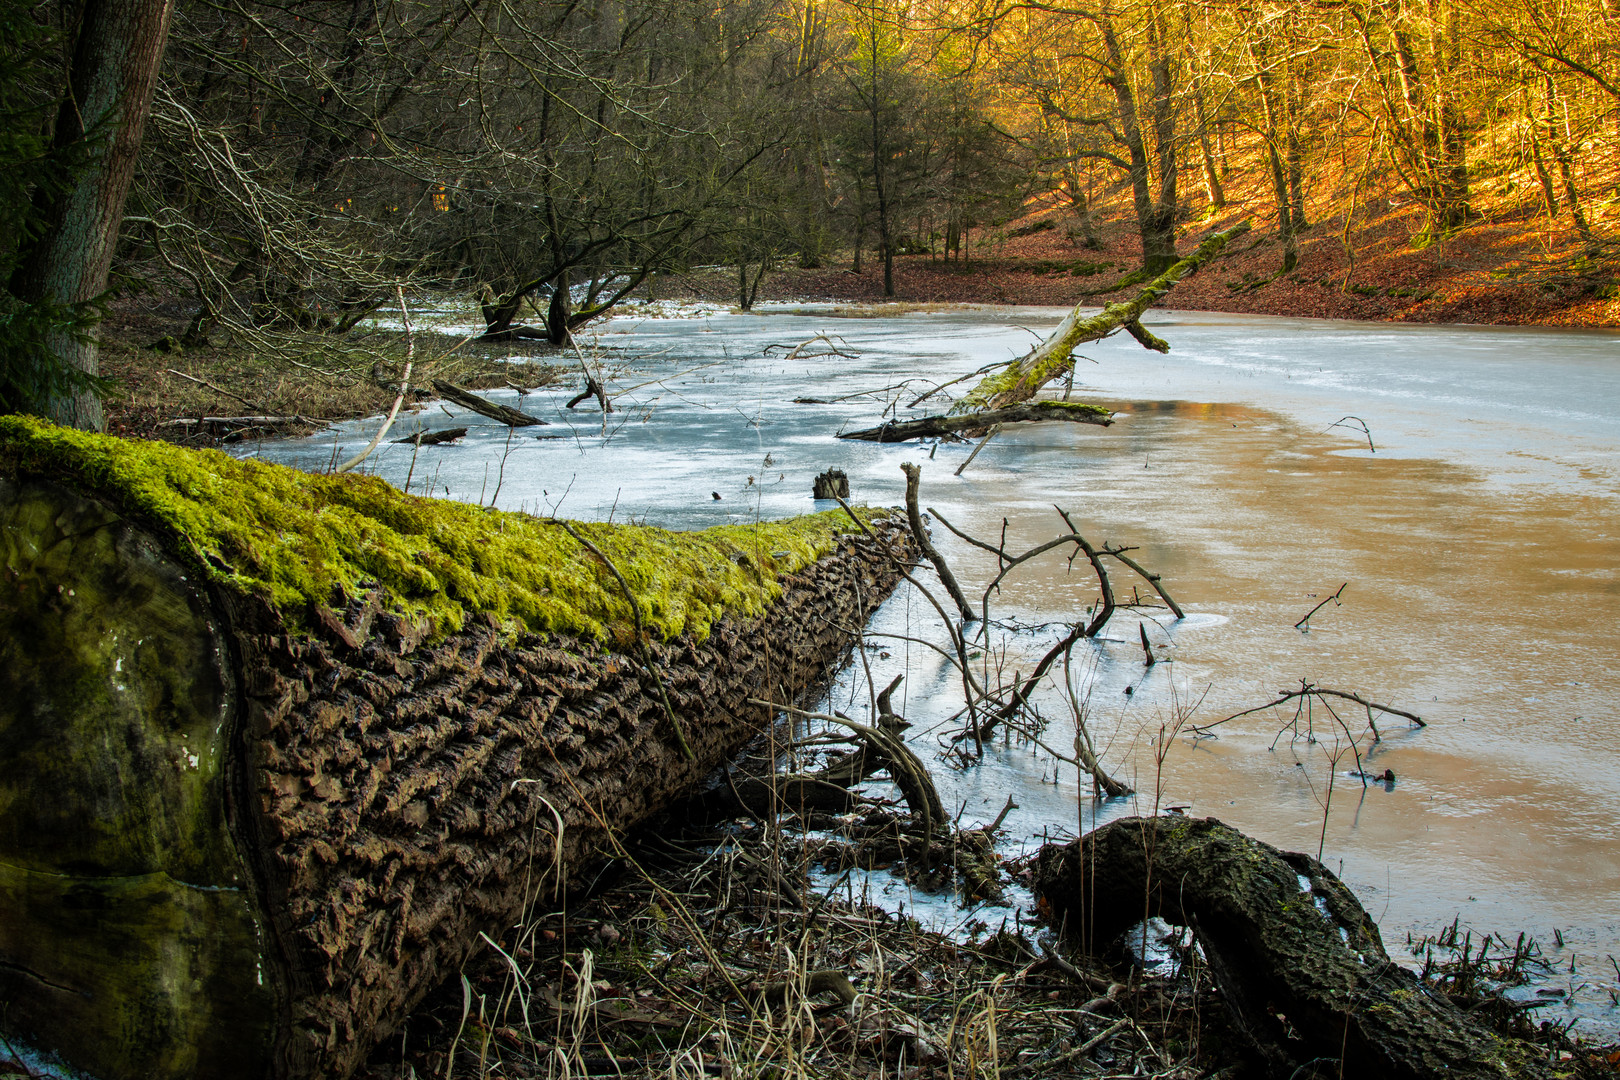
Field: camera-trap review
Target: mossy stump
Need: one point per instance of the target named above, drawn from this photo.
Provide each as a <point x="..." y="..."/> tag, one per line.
<point x="1299" y="963"/>
<point x="278" y="748"/>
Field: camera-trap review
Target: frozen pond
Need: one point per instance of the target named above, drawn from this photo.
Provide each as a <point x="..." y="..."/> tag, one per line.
<point x="1480" y="544"/>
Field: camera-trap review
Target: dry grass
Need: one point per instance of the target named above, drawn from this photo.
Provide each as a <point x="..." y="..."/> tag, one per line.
<point x="713" y="955"/>
<point x="315" y="378"/>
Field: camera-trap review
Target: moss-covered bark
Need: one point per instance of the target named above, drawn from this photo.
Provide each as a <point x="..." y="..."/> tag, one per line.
<point x="275" y="757"/>
<point x="1054" y="357"/>
<point x="1298" y="961"/>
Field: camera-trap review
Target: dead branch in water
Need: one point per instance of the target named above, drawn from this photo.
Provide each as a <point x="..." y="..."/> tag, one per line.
<point x="1305" y="623"/>
<point x="434" y="438"/>
<point x="1054" y="357"/>
<point x="1359" y="425"/>
<point x="485" y="407"/>
<point x="1309" y="694"/>
<point x="920" y="535"/>
<point x="932" y="426"/>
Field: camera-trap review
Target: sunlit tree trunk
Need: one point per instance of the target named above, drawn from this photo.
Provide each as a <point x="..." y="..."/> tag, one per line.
<point x="116" y="53"/>
<point x="1155" y="219"/>
<point x="1212" y="178"/>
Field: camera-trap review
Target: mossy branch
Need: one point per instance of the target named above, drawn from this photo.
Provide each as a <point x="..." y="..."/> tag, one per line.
<point x="1054" y="357"/>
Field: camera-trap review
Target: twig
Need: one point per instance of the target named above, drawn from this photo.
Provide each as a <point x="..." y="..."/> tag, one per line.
<point x="404" y="384"/>
<point x="1152" y="579"/>
<point x="218" y="390"/>
<point x="1318" y="691"/>
<point x="1364" y="429"/>
<point x="1303" y="624"/>
<point x="1054" y="1064"/>
<point x="995" y="429"/>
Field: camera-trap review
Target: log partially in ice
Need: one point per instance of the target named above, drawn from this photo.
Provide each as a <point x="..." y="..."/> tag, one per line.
<point x="1054" y="358"/>
<point x="934" y="426"/>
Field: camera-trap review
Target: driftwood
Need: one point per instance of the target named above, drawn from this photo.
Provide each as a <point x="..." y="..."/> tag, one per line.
<point x="495" y="411"/>
<point x="434" y="438"/>
<point x="1299" y="963"/>
<point x="240" y="421"/>
<point x="244" y="836"/>
<point x="929" y="426"/>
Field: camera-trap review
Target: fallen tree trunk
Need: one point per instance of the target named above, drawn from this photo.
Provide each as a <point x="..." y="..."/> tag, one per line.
<point x="1054" y="357"/>
<point x="279" y="748"/>
<point x="494" y="410"/>
<point x="1299" y="963"/>
<point x="902" y="430"/>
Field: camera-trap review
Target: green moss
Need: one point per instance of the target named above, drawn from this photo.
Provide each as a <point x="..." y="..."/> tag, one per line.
<point x="299" y="540"/>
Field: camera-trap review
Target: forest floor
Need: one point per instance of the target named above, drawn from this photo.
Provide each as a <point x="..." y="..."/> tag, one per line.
<point x="712" y="952"/>
<point x="1508" y="268"/>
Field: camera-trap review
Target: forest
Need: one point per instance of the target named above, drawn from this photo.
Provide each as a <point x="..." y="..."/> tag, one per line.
<point x="289" y="166"/>
<point x="307" y="772"/>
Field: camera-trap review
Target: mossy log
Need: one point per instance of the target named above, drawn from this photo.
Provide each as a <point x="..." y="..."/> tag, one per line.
<point x="1299" y="963"/>
<point x="1054" y="357"/>
<point x="278" y="748"/>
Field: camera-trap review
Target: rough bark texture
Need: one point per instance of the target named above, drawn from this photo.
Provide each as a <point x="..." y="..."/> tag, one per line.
<point x="116" y="54"/>
<point x="231" y="848"/>
<point x="1298" y="961"/>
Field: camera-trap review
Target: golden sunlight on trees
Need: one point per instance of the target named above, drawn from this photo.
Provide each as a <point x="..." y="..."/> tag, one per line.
<point x="302" y="161"/>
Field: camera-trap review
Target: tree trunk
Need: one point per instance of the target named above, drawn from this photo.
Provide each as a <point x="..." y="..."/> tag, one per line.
<point x="242" y="836"/>
<point x="1155" y="220"/>
<point x="1298" y="961"/>
<point x="116" y="54"/>
<point x="558" y="312"/>
<point x="1212" y="178"/>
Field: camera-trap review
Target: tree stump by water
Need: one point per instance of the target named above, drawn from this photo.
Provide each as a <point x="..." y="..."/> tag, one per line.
<point x="832" y="484"/>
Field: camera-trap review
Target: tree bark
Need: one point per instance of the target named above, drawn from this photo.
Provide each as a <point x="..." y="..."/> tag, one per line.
<point x="1298" y="961"/>
<point x="482" y="405"/>
<point x="237" y="844"/>
<point x="116" y="54"/>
